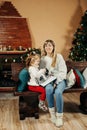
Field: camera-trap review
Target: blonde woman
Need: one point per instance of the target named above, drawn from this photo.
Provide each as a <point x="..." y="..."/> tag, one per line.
<point x="55" y="63"/>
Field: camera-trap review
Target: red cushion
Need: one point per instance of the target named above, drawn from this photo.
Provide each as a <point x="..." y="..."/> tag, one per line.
<point x="77" y="78"/>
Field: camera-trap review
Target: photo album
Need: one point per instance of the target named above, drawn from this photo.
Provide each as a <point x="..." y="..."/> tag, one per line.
<point x="44" y="81"/>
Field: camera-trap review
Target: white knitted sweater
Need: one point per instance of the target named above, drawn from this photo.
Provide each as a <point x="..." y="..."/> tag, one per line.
<point x="60" y="69"/>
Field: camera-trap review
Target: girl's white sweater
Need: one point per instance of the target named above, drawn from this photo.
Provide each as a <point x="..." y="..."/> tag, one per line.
<point x="34" y="73"/>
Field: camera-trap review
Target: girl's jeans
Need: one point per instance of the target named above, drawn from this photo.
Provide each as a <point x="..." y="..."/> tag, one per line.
<point x="58" y="93"/>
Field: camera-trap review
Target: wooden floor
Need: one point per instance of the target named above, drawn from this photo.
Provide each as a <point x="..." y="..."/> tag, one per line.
<point x="73" y="118"/>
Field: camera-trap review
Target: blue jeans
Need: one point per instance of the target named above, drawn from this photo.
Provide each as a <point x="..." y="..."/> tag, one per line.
<point x="58" y="93"/>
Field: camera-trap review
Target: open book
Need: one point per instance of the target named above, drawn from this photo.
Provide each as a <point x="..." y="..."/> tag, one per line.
<point x="43" y="81"/>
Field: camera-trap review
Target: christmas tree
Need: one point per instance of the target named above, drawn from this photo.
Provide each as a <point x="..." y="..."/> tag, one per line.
<point x="78" y="52"/>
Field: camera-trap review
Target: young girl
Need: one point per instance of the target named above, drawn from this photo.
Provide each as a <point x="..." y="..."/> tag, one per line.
<point x="32" y="63"/>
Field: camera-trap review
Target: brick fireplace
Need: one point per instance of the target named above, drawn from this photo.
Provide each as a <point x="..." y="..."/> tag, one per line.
<point x="14" y="39"/>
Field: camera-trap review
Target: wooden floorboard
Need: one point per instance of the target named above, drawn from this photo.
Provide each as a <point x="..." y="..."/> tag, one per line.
<point x="73" y="118"/>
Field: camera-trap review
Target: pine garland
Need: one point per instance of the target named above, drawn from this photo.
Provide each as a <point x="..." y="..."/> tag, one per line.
<point x="20" y="58"/>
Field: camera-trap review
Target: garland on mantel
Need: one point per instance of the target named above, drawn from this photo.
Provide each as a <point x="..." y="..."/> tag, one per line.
<point x="21" y="57"/>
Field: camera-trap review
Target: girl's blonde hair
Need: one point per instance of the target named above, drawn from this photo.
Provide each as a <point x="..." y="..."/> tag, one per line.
<point x="53" y="54"/>
<point x="31" y="59"/>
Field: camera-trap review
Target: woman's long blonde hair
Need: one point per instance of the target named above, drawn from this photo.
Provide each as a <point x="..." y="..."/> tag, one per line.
<point x="53" y="54"/>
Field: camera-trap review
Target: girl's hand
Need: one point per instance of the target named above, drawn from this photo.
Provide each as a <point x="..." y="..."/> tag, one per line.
<point x="43" y="71"/>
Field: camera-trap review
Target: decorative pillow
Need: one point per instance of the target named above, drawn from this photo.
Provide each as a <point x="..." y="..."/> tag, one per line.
<point x="85" y="76"/>
<point x="81" y="78"/>
<point x="23" y="79"/>
<point x="77" y="79"/>
<point x="70" y="79"/>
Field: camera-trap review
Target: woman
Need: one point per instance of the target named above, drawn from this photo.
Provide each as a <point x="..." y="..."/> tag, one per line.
<point x="57" y="67"/>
